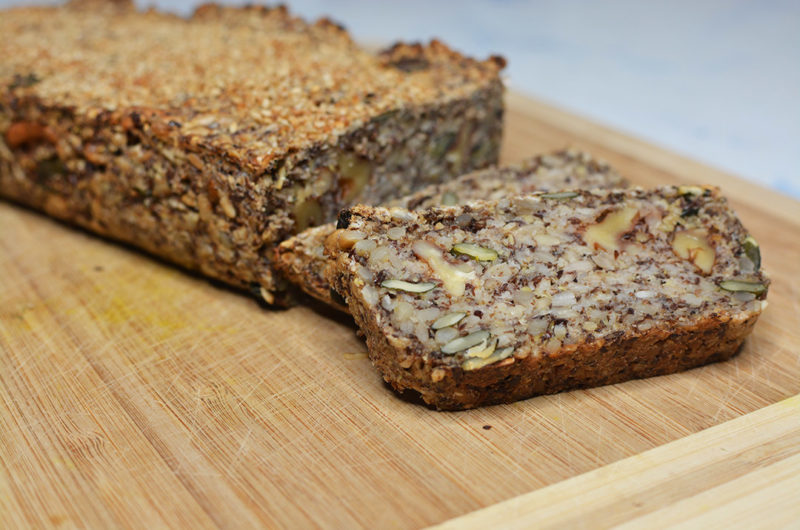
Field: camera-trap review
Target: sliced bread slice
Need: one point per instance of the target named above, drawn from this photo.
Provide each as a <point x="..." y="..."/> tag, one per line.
<point x="496" y="301"/>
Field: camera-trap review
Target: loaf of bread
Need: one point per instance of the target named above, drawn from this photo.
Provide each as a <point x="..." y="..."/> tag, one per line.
<point x="207" y="141"/>
<point x="495" y="301"/>
<point x="301" y="258"/>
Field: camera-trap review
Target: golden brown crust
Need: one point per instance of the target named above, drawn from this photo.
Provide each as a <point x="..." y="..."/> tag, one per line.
<point x="251" y="83"/>
<point x="112" y="5"/>
<point x="601" y="362"/>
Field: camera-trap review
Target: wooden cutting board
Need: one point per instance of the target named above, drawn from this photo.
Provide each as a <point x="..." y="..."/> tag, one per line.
<point x="135" y="395"/>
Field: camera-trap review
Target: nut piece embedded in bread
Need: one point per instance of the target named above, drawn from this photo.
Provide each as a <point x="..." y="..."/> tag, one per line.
<point x="586" y="288"/>
<point x="301" y="258"/>
<point x="209" y="140"/>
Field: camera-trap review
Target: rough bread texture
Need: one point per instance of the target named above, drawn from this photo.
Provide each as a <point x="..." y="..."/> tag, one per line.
<point x="496" y="301"/>
<point x="209" y="140"/>
<point x="301" y="258"/>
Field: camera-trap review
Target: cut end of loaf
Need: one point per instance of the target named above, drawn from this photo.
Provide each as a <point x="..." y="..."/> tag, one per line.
<point x="301" y="258"/>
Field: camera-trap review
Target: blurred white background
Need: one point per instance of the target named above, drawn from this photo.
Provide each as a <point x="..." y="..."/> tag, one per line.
<point x="716" y="80"/>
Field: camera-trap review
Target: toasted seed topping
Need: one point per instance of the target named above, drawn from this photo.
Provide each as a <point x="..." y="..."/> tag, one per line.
<point x="449" y="199"/>
<point x="267" y="78"/>
<point x="467" y="341"/>
<point x="448" y="320"/>
<point x="409" y="287"/>
<point x="752" y="251"/>
<point x="735" y="286"/>
<point x="475" y="252"/>
<point x="473" y="363"/>
<point x="560" y="195"/>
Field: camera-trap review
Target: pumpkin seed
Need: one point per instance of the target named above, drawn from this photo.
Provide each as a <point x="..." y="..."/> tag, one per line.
<point x="449" y="199"/>
<point x="735" y="286"/>
<point x="475" y="252"/>
<point x="752" y="251"/>
<point x="442" y="144"/>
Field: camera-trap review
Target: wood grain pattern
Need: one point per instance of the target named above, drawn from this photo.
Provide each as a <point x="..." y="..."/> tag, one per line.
<point x="132" y="394"/>
<point x="744" y="473"/>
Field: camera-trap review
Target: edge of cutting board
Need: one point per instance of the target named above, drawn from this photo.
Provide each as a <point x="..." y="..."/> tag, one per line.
<point x="741" y="473"/>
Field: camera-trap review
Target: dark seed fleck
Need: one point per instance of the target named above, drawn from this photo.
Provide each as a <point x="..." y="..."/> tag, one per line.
<point x="690" y="211"/>
<point x="23" y="81"/>
<point x="50" y="167"/>
<point x="344" y="219"/>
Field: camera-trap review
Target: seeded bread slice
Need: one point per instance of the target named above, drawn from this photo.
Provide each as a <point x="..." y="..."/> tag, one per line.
<point x="496" y="301"/>
<point x="209" y="140"/>
<point x="301" y="258"/>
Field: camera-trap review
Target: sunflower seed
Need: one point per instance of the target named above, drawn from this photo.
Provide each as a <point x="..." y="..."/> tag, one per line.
<point x="410" y="287"/>
<point x="448" y="320"/>
<point x="467" y="341"/>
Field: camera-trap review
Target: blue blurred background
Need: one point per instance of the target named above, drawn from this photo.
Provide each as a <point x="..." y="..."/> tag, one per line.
<point x="716" y="80"/>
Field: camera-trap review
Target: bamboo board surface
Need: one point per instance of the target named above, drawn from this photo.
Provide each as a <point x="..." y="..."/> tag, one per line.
<point x="744" y="473"/>
<point x="132" y="394"/>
